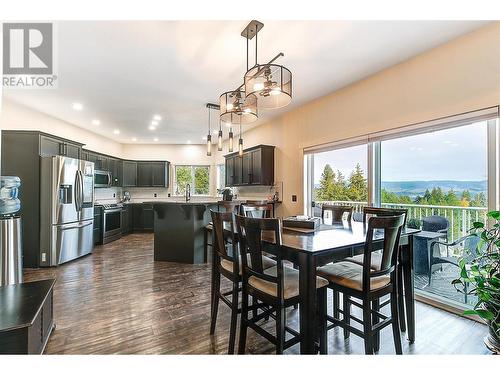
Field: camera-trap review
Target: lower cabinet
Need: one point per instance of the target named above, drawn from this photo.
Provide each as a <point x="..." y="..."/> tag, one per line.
<point x="142" y="217"/>
<point x="127" y="219"/>
<point x="98" y="229"/>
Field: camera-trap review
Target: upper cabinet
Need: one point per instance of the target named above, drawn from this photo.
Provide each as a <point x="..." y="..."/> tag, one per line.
<point x="52" y="146"/>
<point x="129" y="173"/>
<point x="145" y="173"/>
<point x="254" y="167"/>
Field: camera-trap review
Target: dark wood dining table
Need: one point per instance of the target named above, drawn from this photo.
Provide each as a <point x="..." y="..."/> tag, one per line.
<point x="332" y="243"/>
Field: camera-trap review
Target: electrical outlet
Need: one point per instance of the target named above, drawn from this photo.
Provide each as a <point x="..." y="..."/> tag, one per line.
<point x="294" y="198"/>
<point x="169" y="195"/>
<point x="155" y="195"/>
<point x="44" y="257"/>
<point x="114" y="195"/>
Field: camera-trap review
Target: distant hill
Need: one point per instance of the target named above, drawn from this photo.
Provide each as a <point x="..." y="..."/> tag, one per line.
<point x="414" y="188"/>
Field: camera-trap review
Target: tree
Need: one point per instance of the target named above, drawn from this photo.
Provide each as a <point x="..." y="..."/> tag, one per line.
<point x="183" y="177"/>
<point x="357" y="190"/>
<point x="201" y="180"/>
<point x="326" y="184"/>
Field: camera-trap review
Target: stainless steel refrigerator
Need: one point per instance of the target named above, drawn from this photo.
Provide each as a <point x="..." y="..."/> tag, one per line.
<point x="66" y="209"/>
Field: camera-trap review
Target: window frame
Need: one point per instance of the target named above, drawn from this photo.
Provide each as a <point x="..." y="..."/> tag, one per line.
<point x="192" y="167"/>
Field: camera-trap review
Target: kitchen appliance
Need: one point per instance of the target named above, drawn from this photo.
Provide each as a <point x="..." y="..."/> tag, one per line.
<point x="112" y="222"/>
<point x="66" y="209"/>
<point x="126" y="196"/>
<point x="102" y="179"/>
<point x="11" y="265"/>
<point x="227" y="194"/>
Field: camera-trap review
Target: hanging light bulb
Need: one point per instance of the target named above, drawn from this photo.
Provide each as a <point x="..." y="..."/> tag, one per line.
<point x="219" y="138"/>
<point x="231" y="140"/>
<point x="209" y="137"/>
<point x="240" y="143"/>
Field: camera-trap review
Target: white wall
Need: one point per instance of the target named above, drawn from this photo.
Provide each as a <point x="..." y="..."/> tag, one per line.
<point x="15" y="116"/>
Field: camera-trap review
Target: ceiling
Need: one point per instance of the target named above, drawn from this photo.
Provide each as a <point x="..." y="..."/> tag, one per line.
<point x="124" y="72"/>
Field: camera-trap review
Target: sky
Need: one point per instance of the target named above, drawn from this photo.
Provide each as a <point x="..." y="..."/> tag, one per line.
<point x="452" y="154"/>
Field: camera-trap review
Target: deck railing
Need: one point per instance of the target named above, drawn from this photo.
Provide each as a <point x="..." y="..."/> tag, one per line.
<point x="460" y="218"/>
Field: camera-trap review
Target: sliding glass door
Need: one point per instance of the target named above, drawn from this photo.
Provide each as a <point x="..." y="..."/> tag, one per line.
<point x="444" y="173"/>
<point x="441" y="178"/>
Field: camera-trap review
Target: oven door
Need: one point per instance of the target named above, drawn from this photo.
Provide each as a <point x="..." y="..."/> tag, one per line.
<point x="102" y="179"/>
<point x="112" y="224"/>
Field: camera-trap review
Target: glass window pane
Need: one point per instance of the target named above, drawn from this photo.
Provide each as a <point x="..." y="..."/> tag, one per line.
<point x="441" y="178"/>
<point x="201" y="180"/>
<point x="340" y="176"/>
<point x="183" y="176"/>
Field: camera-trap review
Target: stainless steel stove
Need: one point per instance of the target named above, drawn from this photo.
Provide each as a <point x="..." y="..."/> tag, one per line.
<point x="112" y="222"/>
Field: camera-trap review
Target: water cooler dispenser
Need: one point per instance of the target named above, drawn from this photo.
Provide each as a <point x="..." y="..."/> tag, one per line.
<point x="11" y="264"/>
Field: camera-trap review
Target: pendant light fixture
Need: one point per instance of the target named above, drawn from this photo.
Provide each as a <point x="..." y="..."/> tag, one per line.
<point x="209" y="136"/>
<point x="231" y="140"/>
<point x="235" y="105"/>
<point x="219" y="138"/>
<point x="240" y="143"/>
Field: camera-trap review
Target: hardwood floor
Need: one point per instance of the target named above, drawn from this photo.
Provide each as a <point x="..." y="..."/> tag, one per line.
<point x="118" y="300"/>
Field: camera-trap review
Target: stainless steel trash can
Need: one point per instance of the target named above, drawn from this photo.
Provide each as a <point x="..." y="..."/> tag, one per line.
<point x="11" y="262"/>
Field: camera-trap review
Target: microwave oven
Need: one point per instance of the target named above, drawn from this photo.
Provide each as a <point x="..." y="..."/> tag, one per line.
<point x="102" y="179"/>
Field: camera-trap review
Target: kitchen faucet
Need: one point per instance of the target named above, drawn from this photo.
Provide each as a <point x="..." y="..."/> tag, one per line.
<point x="188" y="192"/>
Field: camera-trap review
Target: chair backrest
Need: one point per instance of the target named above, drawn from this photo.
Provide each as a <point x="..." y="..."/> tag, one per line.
<point x="337" y="212"/>
<point x="223" y="222"/>
<point x="391" y="227"/>
<point x="230" y="206"/>
<point x="257" y="210"/>
<point x="382" y="211"/>
<point x="250" y="231"/>
<point x="435" y="223"/>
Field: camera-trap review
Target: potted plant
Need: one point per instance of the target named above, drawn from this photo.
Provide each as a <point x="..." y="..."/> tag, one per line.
<point x="480" y="273"/>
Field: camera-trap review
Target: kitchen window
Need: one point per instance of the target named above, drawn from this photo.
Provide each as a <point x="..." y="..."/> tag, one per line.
<point x="198" y="178"/>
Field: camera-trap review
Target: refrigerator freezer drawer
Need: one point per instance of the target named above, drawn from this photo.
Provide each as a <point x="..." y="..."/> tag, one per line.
<point x="70" y="241"/>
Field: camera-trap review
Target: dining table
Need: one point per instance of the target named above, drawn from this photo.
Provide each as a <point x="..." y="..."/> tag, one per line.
<point x="331" y="243"/>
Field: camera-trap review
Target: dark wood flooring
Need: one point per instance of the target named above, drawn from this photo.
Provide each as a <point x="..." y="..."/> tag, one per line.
<point x="118" y="300"/>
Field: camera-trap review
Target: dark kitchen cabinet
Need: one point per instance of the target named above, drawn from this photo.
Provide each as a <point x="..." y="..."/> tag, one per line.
<point x="144" y="174"/>
<point x="159" y="170"/>
<point x="129" y="173"/>
<point x="142" y="217"/>
<point x="52" y="146"/>
<point x="127" y="218"/>
<point x="98" y="216"/>
<point x="101" y="163"/>
<point x="254" y="167"/>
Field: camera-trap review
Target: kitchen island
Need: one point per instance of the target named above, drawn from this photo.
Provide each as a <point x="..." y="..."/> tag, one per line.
<point x="178" y="230"/>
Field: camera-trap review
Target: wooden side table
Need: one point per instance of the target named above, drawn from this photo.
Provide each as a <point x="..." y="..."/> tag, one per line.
<point x="26" y="317"/>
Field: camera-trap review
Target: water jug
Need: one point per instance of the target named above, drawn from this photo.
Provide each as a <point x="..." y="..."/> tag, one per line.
<point x="9" y="201"/>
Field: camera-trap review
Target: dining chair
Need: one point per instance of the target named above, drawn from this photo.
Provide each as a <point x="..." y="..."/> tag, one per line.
<point x="227" y="262"/>
<point x="229" y="206"/>
<point x="277" y="287"/>
<point x="368" y="285"/>
<point x="338" y="212"/>
<point x="376" y="257"/>
<point x="264" y="210"/>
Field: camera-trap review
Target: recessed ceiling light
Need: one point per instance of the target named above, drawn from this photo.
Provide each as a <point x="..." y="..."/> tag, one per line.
<point x="154" y="123"/>
<point x="204" y="138"/>
<point x="116" y="131"/>
<point x="77" y="106"/>
<point x="152" y="127"/>
<point x="188" y="142"/>
<point x="155" y="139"/>
<point x="134" y="139"/>
<point x="157" y="117"/>
<point x="96" y="122"/>
<point x="214" y="131"/>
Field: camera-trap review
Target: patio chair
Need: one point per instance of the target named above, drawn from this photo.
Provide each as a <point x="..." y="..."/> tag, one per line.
<point x="470" y="243"/>
<point x="435" y="223"/>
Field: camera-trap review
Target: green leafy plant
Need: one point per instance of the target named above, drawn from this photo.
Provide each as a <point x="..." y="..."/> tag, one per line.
<point x="480" y="271"/>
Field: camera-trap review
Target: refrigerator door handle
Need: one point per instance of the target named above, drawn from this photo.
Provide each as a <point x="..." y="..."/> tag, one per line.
<point x="76" y="226"/>
<point x="77" y="191"/>
<point x="82" y="198"/>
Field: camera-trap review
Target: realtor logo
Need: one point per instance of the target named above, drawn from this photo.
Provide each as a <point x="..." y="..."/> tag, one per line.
<point x="28" y="55"/>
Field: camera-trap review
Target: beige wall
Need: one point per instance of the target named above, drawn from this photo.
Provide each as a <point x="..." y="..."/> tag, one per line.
<point x="18" y="117"/>
<point x="457" y="77"/>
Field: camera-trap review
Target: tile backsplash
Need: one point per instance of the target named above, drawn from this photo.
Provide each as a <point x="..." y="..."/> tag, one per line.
<point x="147" y="193"/>
<point x="108" y="195"/>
